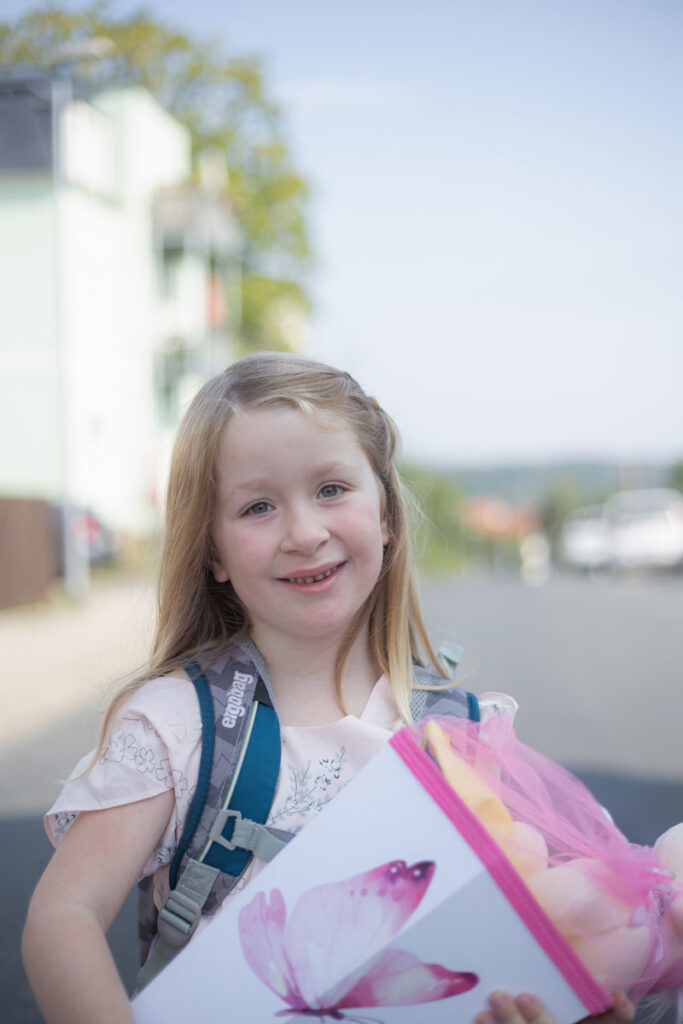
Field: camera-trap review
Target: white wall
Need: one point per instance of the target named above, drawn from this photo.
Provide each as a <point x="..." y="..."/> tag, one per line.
<point x="30" y="453"/>
<point x="79" y="333"/>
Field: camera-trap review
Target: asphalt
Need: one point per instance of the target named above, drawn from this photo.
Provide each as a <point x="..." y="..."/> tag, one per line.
<point x="595" y="665"/>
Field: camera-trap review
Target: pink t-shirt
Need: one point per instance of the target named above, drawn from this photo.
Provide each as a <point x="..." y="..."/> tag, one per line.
<point x="155" y="746"/>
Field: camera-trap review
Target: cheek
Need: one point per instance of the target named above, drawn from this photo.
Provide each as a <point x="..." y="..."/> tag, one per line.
<point x="369" y="528"/>
<point x="244" y="549"/>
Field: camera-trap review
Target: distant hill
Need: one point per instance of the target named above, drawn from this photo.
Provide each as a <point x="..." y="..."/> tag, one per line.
<point x="591" y="481"/>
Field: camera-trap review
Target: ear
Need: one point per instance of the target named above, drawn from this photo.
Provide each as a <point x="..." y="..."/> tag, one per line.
<point x="384" y="527"/>
<point x="220" y="574"/>
<point x="383" y="513"/>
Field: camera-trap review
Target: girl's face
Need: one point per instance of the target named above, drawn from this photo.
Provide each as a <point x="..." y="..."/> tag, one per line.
<point x="299" y="526"/>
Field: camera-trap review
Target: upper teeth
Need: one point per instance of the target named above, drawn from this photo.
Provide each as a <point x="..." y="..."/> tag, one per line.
<point x="312" y="579"/>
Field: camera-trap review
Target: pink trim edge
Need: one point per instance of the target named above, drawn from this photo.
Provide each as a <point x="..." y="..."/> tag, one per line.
<point x="592" y="995"/>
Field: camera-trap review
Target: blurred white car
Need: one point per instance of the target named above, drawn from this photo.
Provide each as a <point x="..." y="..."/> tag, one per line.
<point x="640" y="529"/>
<point x="585" y="541"/>
<point x="646" y="528"/>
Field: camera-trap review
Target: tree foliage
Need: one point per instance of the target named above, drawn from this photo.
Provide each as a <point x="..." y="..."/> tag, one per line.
<point x="222" y="99"/>
<point x="676" y="476"/>
<point x="444" y="543"/>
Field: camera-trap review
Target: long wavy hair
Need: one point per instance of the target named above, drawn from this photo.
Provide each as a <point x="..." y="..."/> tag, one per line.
<point x="194" y="611"/>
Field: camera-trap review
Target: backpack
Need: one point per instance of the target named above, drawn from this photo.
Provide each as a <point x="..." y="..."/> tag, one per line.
<point x="237" y="778"/>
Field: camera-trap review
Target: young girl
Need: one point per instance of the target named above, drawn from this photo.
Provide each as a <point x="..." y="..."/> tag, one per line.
<point x="286" y="523"/>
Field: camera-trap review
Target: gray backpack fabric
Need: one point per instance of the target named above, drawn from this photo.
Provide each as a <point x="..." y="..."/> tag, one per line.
<point x="218" y="842"/>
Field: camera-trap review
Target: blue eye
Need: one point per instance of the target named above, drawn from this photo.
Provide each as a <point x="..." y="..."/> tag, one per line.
<point x="331" y="490"/>
<point x="259" y="508"/>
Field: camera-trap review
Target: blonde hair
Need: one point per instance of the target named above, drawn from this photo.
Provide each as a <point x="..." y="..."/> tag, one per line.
<point x="196" y="612"/>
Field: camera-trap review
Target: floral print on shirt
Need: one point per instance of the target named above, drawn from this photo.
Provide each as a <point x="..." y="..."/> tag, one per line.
<point x="310" y="789"/>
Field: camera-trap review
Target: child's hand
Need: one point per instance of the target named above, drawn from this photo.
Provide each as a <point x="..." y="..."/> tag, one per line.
<point x="527" y="1009"/>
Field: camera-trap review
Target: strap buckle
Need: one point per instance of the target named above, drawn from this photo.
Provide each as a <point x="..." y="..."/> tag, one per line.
<point x="220" y="821"/>
<point x="178" y="918"/>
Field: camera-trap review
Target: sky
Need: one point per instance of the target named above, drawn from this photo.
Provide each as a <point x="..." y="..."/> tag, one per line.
<point x="497" y="211"/>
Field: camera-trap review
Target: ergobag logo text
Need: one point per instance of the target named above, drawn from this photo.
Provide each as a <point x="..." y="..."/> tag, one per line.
<point x="234" y="707"/>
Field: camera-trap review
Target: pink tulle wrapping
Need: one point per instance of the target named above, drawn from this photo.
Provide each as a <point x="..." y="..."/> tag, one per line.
<point x="640" y="951"/>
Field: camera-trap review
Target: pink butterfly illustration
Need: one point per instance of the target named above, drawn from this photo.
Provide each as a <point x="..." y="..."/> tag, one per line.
<point x="330" y="955"/>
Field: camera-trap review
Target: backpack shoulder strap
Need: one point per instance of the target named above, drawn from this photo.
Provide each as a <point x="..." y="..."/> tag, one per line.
<point x="224" y="828"/>
<point x="443" y="699"/>
<point x="237" y="779"/>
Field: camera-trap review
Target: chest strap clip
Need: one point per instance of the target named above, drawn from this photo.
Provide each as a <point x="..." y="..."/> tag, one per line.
<point x="246" y="835"/>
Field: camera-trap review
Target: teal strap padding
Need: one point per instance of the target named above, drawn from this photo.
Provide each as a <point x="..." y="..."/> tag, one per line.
<point x="253" y="793"/>
<point x="203" y="690"/>
<point x="473" y="708"/>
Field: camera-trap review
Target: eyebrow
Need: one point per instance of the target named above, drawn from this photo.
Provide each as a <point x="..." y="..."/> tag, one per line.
<point x="263" y="483"/>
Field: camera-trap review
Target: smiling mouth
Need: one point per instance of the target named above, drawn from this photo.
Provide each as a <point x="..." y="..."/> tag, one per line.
<point x="313" y="579"/>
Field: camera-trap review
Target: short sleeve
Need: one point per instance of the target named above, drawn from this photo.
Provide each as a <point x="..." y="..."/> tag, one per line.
<point x="154" y="745"/>
<point x="492" y="704"/>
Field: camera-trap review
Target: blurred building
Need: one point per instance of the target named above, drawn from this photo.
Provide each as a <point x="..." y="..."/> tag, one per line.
<point x="117" y="293"/>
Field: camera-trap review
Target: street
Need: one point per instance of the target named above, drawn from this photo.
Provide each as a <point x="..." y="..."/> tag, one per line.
<point x="595" y="665"/>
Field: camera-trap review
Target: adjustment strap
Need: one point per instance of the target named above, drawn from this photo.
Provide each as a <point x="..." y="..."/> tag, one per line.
<point x="261" y="840"/>
<point x="178" y="918"/>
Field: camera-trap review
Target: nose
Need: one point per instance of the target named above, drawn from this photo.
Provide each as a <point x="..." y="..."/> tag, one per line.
<point x="305" y="530"/>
